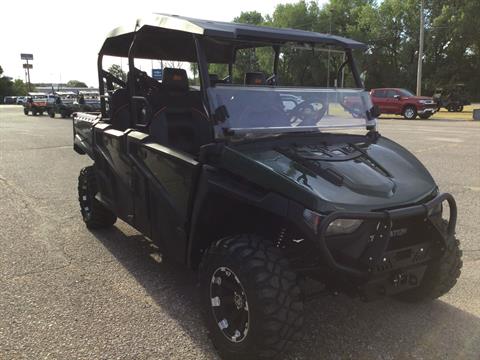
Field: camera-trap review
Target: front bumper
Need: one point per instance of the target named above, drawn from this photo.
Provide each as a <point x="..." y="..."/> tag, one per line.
<point x="427" y="110"/>
<point x="378" y="258"/>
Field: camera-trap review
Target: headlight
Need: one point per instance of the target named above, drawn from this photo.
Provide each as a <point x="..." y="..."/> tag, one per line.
<point x="336" y="227"/>
<point x="343" y="226"/>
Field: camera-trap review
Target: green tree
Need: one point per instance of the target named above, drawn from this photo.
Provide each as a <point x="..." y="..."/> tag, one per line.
<point x="117" y="71"/>
<point x="390" y="28"/>
<point x="20" y="88"/>
<point x="6" y="85"/>
<point x="76" y="83"/>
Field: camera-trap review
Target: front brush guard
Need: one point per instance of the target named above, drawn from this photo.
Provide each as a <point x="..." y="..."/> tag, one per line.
<point x="382" y="235"/>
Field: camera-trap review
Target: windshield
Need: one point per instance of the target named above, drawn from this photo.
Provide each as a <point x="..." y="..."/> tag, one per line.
<point x="406" y="92"/>
<point x="250" y="109"/>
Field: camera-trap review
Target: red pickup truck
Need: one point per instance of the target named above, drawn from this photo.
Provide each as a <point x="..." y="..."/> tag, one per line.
<point x="403" y="102"/>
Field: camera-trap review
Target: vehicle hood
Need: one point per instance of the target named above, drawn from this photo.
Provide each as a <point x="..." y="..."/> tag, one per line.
<point x="355" y="176"/>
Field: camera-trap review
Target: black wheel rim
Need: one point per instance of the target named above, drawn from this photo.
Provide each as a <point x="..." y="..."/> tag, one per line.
<point x="229" y="305"/>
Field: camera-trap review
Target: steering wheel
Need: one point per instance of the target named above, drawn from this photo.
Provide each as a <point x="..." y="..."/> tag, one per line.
<point x="308" y="113"/>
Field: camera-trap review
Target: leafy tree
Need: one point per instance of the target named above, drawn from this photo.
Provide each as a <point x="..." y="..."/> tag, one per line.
<point x="117" y="71"/>
<point x="390" y="28"/>
<point x="5" y="85"/>
<point x="76" y="83"/>
<point x="19" y="88"/>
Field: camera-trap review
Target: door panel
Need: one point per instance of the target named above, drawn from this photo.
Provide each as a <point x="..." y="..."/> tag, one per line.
<point x="114" y="171"/>
<point x="380" y="100"/>
<point x="391" y="102"/>
<point x="170" y="176"/>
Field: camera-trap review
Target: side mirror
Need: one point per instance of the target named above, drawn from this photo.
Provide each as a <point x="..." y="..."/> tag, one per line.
<point x="396" y="97"/>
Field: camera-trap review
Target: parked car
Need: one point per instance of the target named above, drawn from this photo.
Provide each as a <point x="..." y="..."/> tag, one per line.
<point x="403" y="102"/>
<point x="21" y="100"/>
<point x="9" y="100"/>
<point x="251" y="185"/>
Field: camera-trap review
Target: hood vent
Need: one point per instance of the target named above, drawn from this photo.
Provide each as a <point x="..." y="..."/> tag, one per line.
<point x="320" y="159"/>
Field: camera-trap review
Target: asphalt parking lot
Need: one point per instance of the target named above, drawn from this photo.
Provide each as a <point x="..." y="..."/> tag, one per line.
<point x="69" y="293"/>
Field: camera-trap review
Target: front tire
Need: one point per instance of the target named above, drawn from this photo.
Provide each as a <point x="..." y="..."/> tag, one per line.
<point x="250" y="298"/>
<point x="410" y="112"/>
<point x="95" y="214"/>
<point x="440" y="276"/>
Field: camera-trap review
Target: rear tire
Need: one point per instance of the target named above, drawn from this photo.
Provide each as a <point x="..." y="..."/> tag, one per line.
<point x="266" y="290"/>
<point x="95" y="214"/>
<point x="25" y="111"/>
<point x="440" y="276"/>
<point x="410" y="112"/>
<point x="51" y="114"/>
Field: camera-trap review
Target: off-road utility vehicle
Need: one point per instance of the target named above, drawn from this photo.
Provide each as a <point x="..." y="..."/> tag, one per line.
<point x="36" y="103"/>
<point x="260" y="195"/>
<point x="88" y="101"/>
<point x="62" y="103"/>
<point x="453" y="97"/>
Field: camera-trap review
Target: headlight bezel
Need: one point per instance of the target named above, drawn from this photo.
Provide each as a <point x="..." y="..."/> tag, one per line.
<point x="336" y="227"/>
<point x="343" y="227"/>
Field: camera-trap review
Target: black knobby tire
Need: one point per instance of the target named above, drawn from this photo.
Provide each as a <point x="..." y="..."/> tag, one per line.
<point x="25" y="111"/>
<point x="63" y="114"/>
<point x="440" y="276"/>
<point x="275" y="307"/>
<point x="410" y="112"/>
<point x="95" y="214"/>
<point x="51" y="113"/>
<point x="34" y="112"/>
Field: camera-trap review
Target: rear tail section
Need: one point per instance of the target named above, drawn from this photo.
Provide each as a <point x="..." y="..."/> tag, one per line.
<point x="83" y="124"/>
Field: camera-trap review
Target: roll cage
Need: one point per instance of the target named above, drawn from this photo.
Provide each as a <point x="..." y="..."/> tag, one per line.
<point x="202" y="42"/>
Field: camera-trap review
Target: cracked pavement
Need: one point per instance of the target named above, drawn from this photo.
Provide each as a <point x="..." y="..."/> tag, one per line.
<point x="68" y="293"/>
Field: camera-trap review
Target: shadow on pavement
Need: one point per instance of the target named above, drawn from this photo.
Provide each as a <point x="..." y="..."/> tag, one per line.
<point x="335" y="328"/>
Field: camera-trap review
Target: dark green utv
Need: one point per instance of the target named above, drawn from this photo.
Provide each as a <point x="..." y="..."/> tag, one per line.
<point x="268" y="185"/>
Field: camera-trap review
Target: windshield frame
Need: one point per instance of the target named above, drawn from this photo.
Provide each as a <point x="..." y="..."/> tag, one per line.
<point x="216" y="114"/>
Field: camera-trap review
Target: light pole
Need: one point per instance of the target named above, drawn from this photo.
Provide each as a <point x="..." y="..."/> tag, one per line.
<point x="420" y="50"/>
<point x="328" y="58"/>
<point x="27" y="67"/>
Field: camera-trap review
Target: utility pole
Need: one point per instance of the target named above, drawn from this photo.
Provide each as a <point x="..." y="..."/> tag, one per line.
<point x="27" y="67"/>
<point x="420" y="50"/>
<point x="28" y="76"/>
<point x="328" y="58"/>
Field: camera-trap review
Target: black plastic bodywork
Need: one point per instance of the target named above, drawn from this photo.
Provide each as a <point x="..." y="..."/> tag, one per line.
<point x="183" y="203"/>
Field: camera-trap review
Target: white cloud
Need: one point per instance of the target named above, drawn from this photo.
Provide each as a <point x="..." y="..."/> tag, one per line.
<point x="65" y="36"/>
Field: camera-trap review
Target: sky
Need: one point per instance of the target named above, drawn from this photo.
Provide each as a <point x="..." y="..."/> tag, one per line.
<point x="65" y="36"/>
